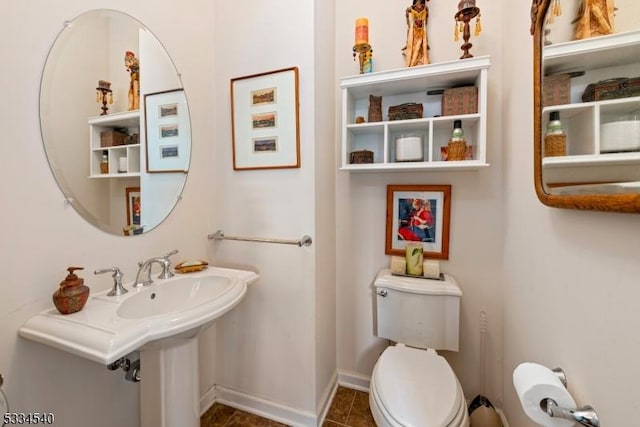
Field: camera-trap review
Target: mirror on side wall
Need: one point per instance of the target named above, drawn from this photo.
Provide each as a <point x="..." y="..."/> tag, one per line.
<point x="587" y="104"/>
<point x="115" y="122"/>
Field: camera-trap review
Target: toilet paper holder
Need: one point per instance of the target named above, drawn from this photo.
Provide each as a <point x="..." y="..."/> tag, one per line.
<point x="585" y="416"/>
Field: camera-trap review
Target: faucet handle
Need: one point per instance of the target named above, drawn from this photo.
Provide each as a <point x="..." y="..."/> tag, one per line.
<point x="173" y="252"/>
<point x="117" y="289"/>
<point x="166" y="266"/>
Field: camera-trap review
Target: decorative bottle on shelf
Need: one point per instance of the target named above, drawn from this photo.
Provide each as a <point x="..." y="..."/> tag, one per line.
<point x="555" y="140"/>
<point x="457" y="146"/>
<point x="104" y="163"/>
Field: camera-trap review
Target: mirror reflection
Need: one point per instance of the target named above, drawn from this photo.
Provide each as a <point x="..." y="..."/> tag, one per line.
<point x="591" y="98"/>
<point x="115" y="122"/>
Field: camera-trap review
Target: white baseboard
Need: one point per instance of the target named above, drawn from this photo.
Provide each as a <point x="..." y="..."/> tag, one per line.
<point x="271" y="410"/>
<point x="327" y="398"/>
<point x="265" y="408"/>
<point x="354" y="380"/>
<point x="207" y="400"/>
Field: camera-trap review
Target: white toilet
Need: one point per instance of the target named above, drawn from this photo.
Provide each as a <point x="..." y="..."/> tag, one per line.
<point x="411" y="385"/>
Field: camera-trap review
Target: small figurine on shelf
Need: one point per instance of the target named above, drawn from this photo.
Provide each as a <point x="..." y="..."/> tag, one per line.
<point x="554" y="11"/>
<point x="133" y="67"/>
<point x="104" y="96"/>
<point x="467" y="10"/>
<point x="416" y="51"/>
<point x="595" y="18"/>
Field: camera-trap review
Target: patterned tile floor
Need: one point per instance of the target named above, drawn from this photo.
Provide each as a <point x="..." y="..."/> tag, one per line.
<point x="349" y="408"/>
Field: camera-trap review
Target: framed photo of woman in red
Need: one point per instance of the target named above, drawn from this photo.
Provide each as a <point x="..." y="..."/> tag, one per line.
<point x="134" y="208"/>
<point x="418" y="213"/>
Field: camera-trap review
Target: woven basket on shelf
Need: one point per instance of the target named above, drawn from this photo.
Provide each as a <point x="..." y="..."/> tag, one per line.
<point x="457" y="150"/>
<point x="460" y="100"/>
<point x="555" y="145"/>
<point x="556" y="89"/>
<point x="362" y="156"/>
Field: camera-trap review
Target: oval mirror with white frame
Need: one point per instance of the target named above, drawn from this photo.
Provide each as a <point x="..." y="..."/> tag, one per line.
<point x="115" y="122"/>
<point x="586" y="72"/>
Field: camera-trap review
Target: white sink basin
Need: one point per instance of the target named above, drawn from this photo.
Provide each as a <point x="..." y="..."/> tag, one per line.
<point x="179" y="295"/>
<point x="108" y="328"/>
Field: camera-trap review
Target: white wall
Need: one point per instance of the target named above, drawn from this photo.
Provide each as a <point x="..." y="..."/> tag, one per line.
<point x="40" y="237"/>
<point x="571" y="277"/>
<point x="571" y="288"/>
<point x="276" y="347"/>
<point x="477" y="231"/>
<point x="325" y="276"/>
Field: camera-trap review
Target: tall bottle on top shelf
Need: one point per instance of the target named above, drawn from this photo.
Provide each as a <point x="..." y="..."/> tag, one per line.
<point x="457" y="146"/>
<point x="555" y="140"/>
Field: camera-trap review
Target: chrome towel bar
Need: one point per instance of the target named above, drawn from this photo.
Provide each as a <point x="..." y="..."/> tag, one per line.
<point x="219" y="235"/>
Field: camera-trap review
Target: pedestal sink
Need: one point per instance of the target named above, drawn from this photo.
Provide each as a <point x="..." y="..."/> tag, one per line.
<point x="162" y="321"/>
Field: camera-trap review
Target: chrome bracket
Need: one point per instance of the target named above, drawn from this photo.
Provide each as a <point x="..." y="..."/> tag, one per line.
<point x="585" y="416"/>
<point x="130" y="365"/>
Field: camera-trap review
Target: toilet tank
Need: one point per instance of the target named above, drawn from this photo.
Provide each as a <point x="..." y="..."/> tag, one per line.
<point x="418" y="312"/>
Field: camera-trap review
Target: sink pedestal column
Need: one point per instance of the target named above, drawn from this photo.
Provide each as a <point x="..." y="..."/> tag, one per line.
<point x="169" y="388"/>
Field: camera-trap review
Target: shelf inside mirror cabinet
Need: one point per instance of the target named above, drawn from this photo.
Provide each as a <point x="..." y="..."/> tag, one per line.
<point x="589" y="153"/>
<point x="127" y="122"/>
<point x="592" y="53"/>
<point x="411" y="85"/>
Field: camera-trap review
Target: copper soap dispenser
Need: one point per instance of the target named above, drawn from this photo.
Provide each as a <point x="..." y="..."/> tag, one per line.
<point x="72" y="294"/>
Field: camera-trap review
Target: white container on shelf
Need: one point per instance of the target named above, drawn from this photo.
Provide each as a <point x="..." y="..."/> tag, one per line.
<point x="409" y="148"/>
<point x="623" y="135"/>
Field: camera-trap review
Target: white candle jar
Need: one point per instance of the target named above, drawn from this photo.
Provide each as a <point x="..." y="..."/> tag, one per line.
<point x="409" y="148"/>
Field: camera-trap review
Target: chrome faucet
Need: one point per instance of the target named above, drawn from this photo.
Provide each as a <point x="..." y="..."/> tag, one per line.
<point x="117" y="289"/>
<point x="145" y="267"/>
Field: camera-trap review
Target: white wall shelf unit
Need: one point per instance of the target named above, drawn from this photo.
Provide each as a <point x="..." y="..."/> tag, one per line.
<point x="599" y="58"/>
<point x="578" y="55"/>
<point x="129" y="120"/>
<point x="411" y="85"/>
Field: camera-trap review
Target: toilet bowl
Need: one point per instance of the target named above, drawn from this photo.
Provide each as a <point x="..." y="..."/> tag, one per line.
<point x="416" y="388"/>
<point x="411" y="385"/>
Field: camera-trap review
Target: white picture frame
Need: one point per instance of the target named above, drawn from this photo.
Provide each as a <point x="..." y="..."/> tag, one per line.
<point x="168" y="132"/>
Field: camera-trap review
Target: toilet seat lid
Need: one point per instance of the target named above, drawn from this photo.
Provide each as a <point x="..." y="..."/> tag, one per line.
<point x="417" y="387"/>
